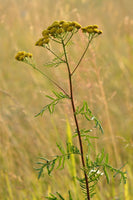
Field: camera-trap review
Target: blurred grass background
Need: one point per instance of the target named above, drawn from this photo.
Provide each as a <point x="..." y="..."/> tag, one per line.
<point x="106" y="83"/>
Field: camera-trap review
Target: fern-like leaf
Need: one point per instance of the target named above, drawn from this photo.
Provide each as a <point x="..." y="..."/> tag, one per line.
<point x="86" y="112"/>
<point x="55" y="100"/>
<point x="58" y="161"/>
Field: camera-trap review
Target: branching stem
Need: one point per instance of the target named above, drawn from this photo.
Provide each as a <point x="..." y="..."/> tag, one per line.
<point x="56" y="84"/>
<point x="76" y="121"/>
<point x="90" y="39"/>
<point x="55" y="54"/>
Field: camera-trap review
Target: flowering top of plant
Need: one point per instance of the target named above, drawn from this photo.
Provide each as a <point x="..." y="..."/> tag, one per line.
<point x="22" y="55"/>
<point x="60" y="29"/>
<point x="57" y="30"/>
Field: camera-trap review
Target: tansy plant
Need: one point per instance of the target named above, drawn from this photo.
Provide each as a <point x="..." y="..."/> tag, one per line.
<point x="61" y="33"/>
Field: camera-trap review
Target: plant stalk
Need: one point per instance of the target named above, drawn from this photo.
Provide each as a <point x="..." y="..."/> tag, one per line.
<point x="82" y="55"/>
<point x="56" y="84"/>
<point x="76" y="121"/>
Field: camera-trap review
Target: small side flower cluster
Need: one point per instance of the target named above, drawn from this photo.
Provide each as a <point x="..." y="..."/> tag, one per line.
<point x="56" y="30"/>
<point x="91" y="29"/>
<point x="22" y="55"/>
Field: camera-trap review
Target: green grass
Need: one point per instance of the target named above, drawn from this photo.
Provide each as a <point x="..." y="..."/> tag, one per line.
<point x="106" y="82"/>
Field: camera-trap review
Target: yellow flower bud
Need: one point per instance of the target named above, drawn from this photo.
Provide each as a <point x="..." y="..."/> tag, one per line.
<point x="26" y="54"/>
<point x="95" y="26"/>
<point x="100" y="32"/>
<point x="77" y="25"/>
<point x="46" y="41"/>
<point x="70" y="29"/>
<point x="84" y="29"/>
<point x="89" y="27"/>
<point x="40" y="42"/>
<point x="55" y="24"/>
<point x="29" y="55"/>
<point x="21" y="53"/>
<point x="59" y="31"/>
<point x="21" y="58"/>
<point x="46" y="36"/>
<point x="96" y="30"/>
<point x="49" y="27"/>
<point x="90" y="30"/>
<point x="53" y="30"/>
<point x="62" y="22"/>
<point x="65" y="26"/>
<point x="45" y="32"/>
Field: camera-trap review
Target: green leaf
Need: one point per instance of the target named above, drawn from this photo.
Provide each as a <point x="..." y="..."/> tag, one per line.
<point x="68" y="149"/>
<point x="42" y="111"/>
<point x="63" y="162"/>
<point x="42" y="158"/>
<point x="51" y="167"/>
<point x="86" y="112"/>
<point x="53" y="197"/>
<point x="55" y="62"/>
<point x="61" y="197"/>
<point x="101" y="129"/>
<point x="50" y="97"/>
<point x="102" y="156"/>
<point x="51" y="106"/>
<point x="70" y="196"/>
<point x="60" y="148"/>
<point x="106" y="174"/>
<point x="60" y="161"/>
<point x="40" y="173"/>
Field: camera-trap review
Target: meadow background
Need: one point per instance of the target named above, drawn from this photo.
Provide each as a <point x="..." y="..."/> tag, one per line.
<point x="104" y="80"/>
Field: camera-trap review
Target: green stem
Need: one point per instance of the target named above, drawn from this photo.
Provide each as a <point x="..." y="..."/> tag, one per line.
<point x="55" y="40"/>
<point x="82" y="55"/>
<point x="69" y="39"/>
<point x="56" y="84"/>
<point x="76" y="121"/>
<point x="55" y="54"/>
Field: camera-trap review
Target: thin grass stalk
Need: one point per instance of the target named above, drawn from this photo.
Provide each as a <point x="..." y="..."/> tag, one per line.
<point x="72" y="165"/>
<point x="100" y="84"/>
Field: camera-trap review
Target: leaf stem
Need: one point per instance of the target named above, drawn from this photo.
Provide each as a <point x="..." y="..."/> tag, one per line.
<point x="56" y="84"/>
<point x="55" y="54"/>
<point x="69" y="39"/>
<point x="82" y="55"/>
<point x="76" y="121"/>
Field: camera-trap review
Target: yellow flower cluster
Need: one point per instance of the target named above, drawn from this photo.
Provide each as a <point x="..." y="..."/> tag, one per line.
<point x="61" y="27"/>
<point x="91" y="29"/>
<point x="56" y="29"/>
<point x="21" y="55"/>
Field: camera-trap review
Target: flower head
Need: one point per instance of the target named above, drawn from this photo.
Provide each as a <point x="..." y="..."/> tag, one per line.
<point x="70" y="28"/>
<point x="77" y="25"/>
<point x="42" y="41"/>
<point x="91" y="29"/>
<point x="45" y="33"/>
<point x="22" y="55"/>
<point x="59" y="31"/>
<point x="55" y="30"/>
<point x="55" y="24"/>
<point x="65" y="25"/>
